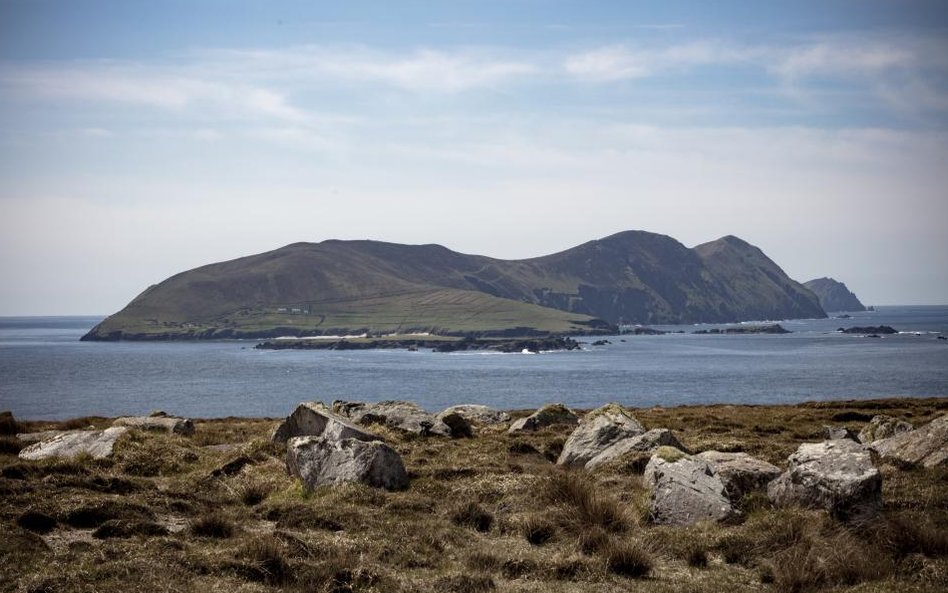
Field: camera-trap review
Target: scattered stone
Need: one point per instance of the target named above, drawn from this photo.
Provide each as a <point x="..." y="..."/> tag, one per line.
<point x="834" y="475"/>
<point x="646" y="442"/>
<point x="926" y="445"/>
<point x="320" y="461"/>
<point x="315" y="419"/>
<point x="399" y="415"/>
<point x="835" y="433"/>
<point x="741" y="473"/>
<point x="546" y="416"/>
<point x="96" y="443"/>
<point x="478" y="414"/>
<point x="165" y="423"/>
<point x="883" y="427"/>
<point x="685" y="490"/>
<point x="600" y="429"/>
<point x="457" y="424"/>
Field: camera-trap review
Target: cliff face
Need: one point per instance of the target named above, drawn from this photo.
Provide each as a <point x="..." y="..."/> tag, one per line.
<point x="834" y="296"/>
<point x="356" y="286"/>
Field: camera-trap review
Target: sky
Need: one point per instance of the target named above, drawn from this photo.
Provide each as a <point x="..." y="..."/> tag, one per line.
<point x="142" y="139"/>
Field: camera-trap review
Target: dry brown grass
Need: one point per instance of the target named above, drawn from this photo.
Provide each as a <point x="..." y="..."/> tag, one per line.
<point x="127" y="524"/>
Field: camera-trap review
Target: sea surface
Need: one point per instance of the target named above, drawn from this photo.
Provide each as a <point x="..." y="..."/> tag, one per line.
<point x="46" y="373"/>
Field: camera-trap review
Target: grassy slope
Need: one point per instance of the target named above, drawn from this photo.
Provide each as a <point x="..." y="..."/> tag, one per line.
<point x="465" y="523"/>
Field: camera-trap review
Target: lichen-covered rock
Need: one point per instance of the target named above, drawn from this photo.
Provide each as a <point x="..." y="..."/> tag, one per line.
<point x="685" y="491"/>
<point x="599" y="430"/>
<point x="548" y="415"/>
<point x="72" y="443"/>
<point x="169" y="424"/>
<point x="478" y="414"/>
<point x="926" y="445"/>
<point x="320" y="461"/>
<point x="834" y="475"/>
<point x="833" y="433"/>
<point x="315" y="419"/>
<point x="399" y="415"/>
<point x="741" y="473"/>
<point x="643" y="443"/>
<point x="883" y="427"/>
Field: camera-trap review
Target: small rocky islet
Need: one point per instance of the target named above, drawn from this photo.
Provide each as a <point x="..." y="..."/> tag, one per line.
<point x="477" y="497"/>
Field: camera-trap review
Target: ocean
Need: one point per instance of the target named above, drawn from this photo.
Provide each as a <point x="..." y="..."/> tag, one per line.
<point x="46" y="373"/>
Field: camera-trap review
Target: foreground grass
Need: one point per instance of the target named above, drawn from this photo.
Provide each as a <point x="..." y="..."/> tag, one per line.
<point x="216" y="512"/>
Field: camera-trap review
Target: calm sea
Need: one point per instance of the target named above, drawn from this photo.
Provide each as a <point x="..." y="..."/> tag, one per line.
<point x="46" y="373"/>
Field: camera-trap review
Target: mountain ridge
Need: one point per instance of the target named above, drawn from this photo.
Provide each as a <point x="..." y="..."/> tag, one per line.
<point x="364" y="286"/>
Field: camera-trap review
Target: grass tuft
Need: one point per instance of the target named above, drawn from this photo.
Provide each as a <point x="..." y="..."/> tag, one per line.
<point x="537" y="529"/>
<point x="587" y="506"/>
<point x="213" y="525"/>
<point x="464" y="583"/>
<point x="628" y="559"/>
<point x="36" y="522"/>
<point x="472" y="515"/>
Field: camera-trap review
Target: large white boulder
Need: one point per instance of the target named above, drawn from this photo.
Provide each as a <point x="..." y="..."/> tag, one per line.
<point x="315" y="419"/>
<point x="740" y="473"/>
<point x="169" y="424"/>
<point x="321" y="461"/>
<point x="399" y="415"/>
<point x="600" y="429"/>
<point x="834" y="475"/>
<point x="72" y="443"/>
<point x="685" y="490"/>
<point x="643" y="443"/>
<point x="883" y="427"/>
<point x="926" y="445"/>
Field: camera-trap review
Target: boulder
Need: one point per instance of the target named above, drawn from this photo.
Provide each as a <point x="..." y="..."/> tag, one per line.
<point x="883" y="427"/>
<point x="643" y="443"/>
<point x="35" y="437"/>
<point x="685" y="490"/>
<point x="478" y="414"/>
<point x="315" y="419"/>
<point x="458" y="425"/>
<point x="546" y="416"/>
<point x="599" y="430"/>
<point x="72" y="443"/>
<point x="834" y="475"/>
<point x="399" y="415"/>
<point x="321" y="461"/>
<point x="169" y="424"/>
<point x="740" y="473"/>
<point x="926" y="445"/>
<point x="833" y="433"/>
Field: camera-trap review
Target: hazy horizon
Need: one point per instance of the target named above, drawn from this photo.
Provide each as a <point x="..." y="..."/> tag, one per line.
<point x="145" y="139"/>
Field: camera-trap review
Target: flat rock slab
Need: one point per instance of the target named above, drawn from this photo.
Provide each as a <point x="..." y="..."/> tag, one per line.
<point x="399" y="415"/>
<point x="883" y="427"/>
<point x="478" y="414"/>
<point x="599" y="430"/>
<point x="548" y="415"/>
<point x="319" y="461"/>
<point x="686" y="491"/>
<point x="741" y="473"/>
<point x="643" y="443"/>
<point x="926" y="445"/>
<point x="315" y="419"/>
<point x="169" y="424"/>
<point x="35" y="437"/>
<point x="72" y="443"/>
<point x="837" y="476"/>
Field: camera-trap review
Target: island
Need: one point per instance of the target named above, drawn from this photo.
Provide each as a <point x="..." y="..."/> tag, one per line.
<point x="833" y="295"/>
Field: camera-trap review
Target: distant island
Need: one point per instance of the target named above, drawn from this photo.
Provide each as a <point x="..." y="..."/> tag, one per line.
<point x="376" y="289"/>
<point x="833" y="295"/>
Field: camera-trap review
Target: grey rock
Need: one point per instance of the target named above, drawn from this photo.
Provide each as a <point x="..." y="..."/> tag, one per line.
<point x="457" y="424"/>
<point x="478" y="414"/>
<point x="320" y="461"/>
<point x="883" y="427"/>
<point x="315" y="419"/>
<point x="599" y="430"/>
<point x="548" y="415"/>
<point x="35" y="437"/>
<point x="741" y="473"/>
<point x="685" y="491"/>
<point x="169" y="424"/>
<point x="643" y="443"/>
<point x="926" y="445"/>
<point x="834" y="433"/>
<point x="72" y="443"/>
<point x="399" y="415"/>
<point x="837" y="476"/>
